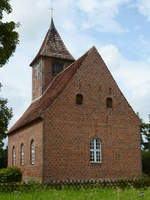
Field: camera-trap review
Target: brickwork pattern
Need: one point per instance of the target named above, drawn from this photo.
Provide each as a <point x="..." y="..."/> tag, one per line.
<point x="25" y="136"/>
<point x="69" y="127"/>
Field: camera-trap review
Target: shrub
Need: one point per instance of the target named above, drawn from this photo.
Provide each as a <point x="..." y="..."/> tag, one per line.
<point x="9" y="175"/>
<point x="146" y="162"/>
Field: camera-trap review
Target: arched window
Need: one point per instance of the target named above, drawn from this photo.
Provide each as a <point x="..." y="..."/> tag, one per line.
<point x="109" y="103"/>
<point x="32" y="152"/>
<point x="95" y="151"/>
<point x="22" y="155"/>
<point x="79" y="99"/>
<point x="13" y="156"/>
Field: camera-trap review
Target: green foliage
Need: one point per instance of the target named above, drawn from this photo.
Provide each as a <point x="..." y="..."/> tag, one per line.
<point x="9" y="175"/>
<point x="145" y="131"/>
<point x="8" y="35"/>
<point x="141" y="183"/>
<point x="5" y="116"/>
<point x="19" y="191"/>
<point x="3" y="158"/>
<point x="146" y="162"/>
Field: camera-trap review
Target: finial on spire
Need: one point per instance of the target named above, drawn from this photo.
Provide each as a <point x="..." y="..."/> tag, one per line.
<point x="52" y="12"/>
<point x="52" y="9"/>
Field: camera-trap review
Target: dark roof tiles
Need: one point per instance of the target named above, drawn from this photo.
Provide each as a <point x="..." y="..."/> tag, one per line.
<point x="53" y="46"/>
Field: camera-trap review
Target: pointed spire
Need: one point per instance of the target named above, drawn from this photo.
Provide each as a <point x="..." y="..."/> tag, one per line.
<point x="52" y="24"/>
<point x="53" y="46"/>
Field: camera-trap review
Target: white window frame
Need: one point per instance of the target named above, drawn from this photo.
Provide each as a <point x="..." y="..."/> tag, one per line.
<point x="32" y="152"/>
<point x="13" y="156"/>
<point x="95" y="150"/>
<point x="22" y="155"/>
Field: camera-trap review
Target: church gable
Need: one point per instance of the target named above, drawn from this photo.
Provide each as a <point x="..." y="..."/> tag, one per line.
<point x="100" y="94"/>
<point x="91" y="109"/>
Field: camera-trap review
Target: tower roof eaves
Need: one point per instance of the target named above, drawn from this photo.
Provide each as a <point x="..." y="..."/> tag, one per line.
<point x="53" y="46"/>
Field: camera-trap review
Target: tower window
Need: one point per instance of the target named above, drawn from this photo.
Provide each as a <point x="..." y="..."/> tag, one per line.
<point x="95" y="151"/>
<point x="79" y="99"/>
<point x="109" y="102"/>
<point x="57" y="67"/>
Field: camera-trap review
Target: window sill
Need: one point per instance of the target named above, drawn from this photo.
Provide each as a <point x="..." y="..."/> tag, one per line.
<point x="95" y="162"/>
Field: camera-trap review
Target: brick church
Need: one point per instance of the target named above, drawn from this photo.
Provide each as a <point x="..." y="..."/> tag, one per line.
<point x="79" y="125"/>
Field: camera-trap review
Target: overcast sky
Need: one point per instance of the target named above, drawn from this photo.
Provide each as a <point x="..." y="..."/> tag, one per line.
<point x="120" y="29"/>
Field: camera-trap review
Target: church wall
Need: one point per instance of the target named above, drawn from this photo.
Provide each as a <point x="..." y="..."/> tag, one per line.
<point x="69" y="128"/>
<point x="25" y="136"/>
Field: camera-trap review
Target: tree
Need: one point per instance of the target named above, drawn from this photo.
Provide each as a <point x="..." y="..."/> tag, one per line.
<point x="146" y="162"/>
<point x="145" y="141"/>
<point x="145" y="133"/>
<point x="8" y="35"/>
<point x="5" y="116"/>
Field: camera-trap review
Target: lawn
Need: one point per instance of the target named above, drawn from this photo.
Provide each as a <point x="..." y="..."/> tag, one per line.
<point x="89" y="194"/>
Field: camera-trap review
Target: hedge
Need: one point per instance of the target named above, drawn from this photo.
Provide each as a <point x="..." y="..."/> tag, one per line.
<point x="10" y="175"/>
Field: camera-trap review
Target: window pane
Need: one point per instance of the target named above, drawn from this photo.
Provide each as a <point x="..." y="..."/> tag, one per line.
<point x="95" y="150"/>
<point x="92" y="144"/>
<point x="92" y="156"/>
<point x="98" y="156"/>
<point x="97" y="144"/>
<point x="22" y="154"/>
<point x="13" y="156"/>
<point x="32" y="153"/>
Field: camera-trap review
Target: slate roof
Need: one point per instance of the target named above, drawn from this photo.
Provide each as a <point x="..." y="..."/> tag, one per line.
<point x="53" y="46"/>
<point x="37" y="108"/>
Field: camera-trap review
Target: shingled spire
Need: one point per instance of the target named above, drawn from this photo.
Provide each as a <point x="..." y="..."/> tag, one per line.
<point x="52" y="58"/>
<point x="53" y="46"/>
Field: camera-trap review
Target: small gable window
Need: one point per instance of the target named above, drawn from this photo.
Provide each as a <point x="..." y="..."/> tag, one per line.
<point x="95" y="151"/>
<point x="109" y="103"/>
<point x="22" y="155"/>
<point x="79" y="99"/>
<point x="32" y="152"/>
<point x="57" y="67"/>
<point x="13" y="156"/>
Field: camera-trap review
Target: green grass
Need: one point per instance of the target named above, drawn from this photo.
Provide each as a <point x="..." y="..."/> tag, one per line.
<point x="70" y="194"/>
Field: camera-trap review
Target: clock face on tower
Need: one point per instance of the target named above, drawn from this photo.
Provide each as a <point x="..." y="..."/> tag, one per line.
<point x="57" y="67"/>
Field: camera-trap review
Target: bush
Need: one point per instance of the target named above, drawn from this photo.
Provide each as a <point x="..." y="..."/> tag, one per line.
<point x="146" y="162"/>
<point x="10" y="175"/>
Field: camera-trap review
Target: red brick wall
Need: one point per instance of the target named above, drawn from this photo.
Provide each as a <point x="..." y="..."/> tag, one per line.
<point x="25" y="136"/>
<point x="69" y="127"/>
